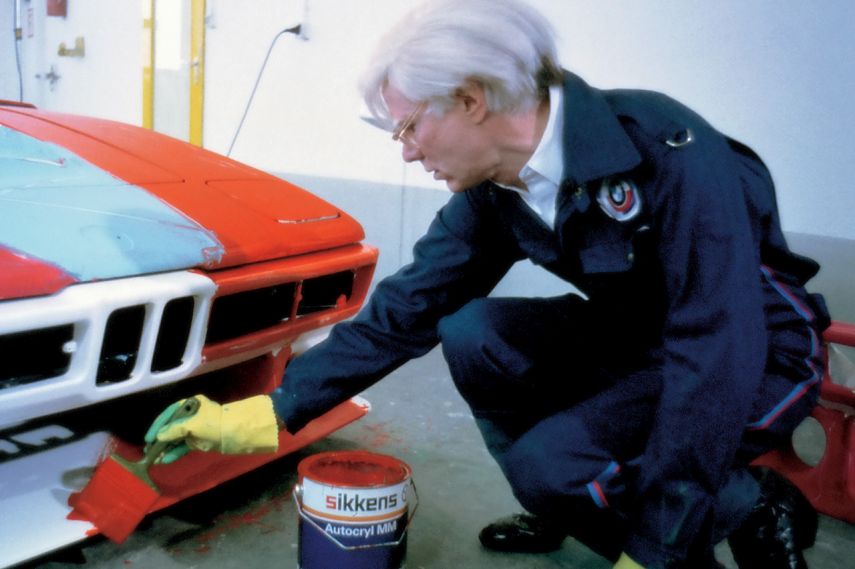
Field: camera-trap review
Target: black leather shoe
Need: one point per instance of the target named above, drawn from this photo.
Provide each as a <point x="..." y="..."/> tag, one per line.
<point x="781" y="525"/>
<point x="522" y="533"/>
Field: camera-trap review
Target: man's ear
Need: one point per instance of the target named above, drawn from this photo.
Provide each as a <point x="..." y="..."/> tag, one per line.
<point x="474" y="101"/>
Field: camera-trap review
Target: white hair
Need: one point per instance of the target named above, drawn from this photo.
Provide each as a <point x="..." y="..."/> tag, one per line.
<point x="506" y="46"/>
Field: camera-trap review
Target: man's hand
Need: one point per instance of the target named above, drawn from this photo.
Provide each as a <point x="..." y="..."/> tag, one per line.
<point x="243" y="427"/>
<point x="626" y="562"/>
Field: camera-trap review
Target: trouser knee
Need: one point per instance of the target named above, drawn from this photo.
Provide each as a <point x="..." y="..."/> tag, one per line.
<point x="474" y="349"/>
<point x="459" y="332"/>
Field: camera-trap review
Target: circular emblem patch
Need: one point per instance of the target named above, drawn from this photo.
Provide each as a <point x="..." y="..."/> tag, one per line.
<point x="619" y="199"/>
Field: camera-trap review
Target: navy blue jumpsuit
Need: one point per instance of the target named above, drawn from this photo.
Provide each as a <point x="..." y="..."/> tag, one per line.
<point x="634" y="410"/>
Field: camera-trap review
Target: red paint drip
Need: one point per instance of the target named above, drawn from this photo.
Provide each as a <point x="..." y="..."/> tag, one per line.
<point x="231" y="522"/>
<point x="379" y="435"/>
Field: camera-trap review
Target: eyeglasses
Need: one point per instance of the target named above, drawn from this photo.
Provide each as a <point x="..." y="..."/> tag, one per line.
<point x="402" y="132"/>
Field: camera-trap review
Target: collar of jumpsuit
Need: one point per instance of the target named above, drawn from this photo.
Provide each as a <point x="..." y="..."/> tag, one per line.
<point x="543" y="171"/>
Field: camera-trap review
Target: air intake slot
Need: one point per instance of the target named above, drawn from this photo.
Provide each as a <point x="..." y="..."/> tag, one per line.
<point x="173" y="334"/>
<point x="121" y="344"/>
<point x="34" y="355"/>
<point x="243" y="313"/>
<point x="326" y="292"/>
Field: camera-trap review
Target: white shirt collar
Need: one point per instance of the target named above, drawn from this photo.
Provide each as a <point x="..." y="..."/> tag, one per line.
<point x="548" y="159"/>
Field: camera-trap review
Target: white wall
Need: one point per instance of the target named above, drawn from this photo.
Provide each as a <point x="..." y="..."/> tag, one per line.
<point x="106" y="82"/>
<point x="777" y="75"/>
<point x="304" y="117"/>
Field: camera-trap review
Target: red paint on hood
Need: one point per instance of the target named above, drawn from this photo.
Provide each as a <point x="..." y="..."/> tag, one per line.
<point x="25" y="276"/>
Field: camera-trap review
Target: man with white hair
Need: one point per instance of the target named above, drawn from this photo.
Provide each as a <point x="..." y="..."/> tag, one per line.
<point x="626" y="418"/>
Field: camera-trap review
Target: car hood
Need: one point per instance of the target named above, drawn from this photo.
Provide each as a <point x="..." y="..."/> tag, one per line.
<point x="85" y="199"/>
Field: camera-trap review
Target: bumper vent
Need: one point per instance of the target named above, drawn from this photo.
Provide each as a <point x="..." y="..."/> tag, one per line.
<point x="34" y="355"/>
<point x="323" y="293"/>
<point x="242" y="313"/>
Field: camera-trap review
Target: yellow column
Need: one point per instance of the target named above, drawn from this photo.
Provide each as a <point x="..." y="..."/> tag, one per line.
<point x="148" y="65"/>
<point x="197" y="71"/>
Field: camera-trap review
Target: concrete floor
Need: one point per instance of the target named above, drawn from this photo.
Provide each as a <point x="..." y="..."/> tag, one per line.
<point x="418" y="417"/>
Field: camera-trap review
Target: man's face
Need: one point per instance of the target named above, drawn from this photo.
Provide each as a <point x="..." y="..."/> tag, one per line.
<point x="450" y="146"/>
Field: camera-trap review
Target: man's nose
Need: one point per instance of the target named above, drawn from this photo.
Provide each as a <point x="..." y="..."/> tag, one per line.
<point x="410" y="152"/>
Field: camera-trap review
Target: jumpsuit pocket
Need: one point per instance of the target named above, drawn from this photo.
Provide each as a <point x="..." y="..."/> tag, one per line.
<point x="607" y="257"/>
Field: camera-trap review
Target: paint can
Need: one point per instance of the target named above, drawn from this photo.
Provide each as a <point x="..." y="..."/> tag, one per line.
<point x="355" y="509"/>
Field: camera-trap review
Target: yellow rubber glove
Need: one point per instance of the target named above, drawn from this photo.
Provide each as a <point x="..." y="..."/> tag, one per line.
<point x="242" y="427"/>
<point x="626" y="562"/>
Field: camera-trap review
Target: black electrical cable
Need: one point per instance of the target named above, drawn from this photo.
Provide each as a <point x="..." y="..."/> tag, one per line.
<point x="296" y="31"/>
<point x="17" y="39"/>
